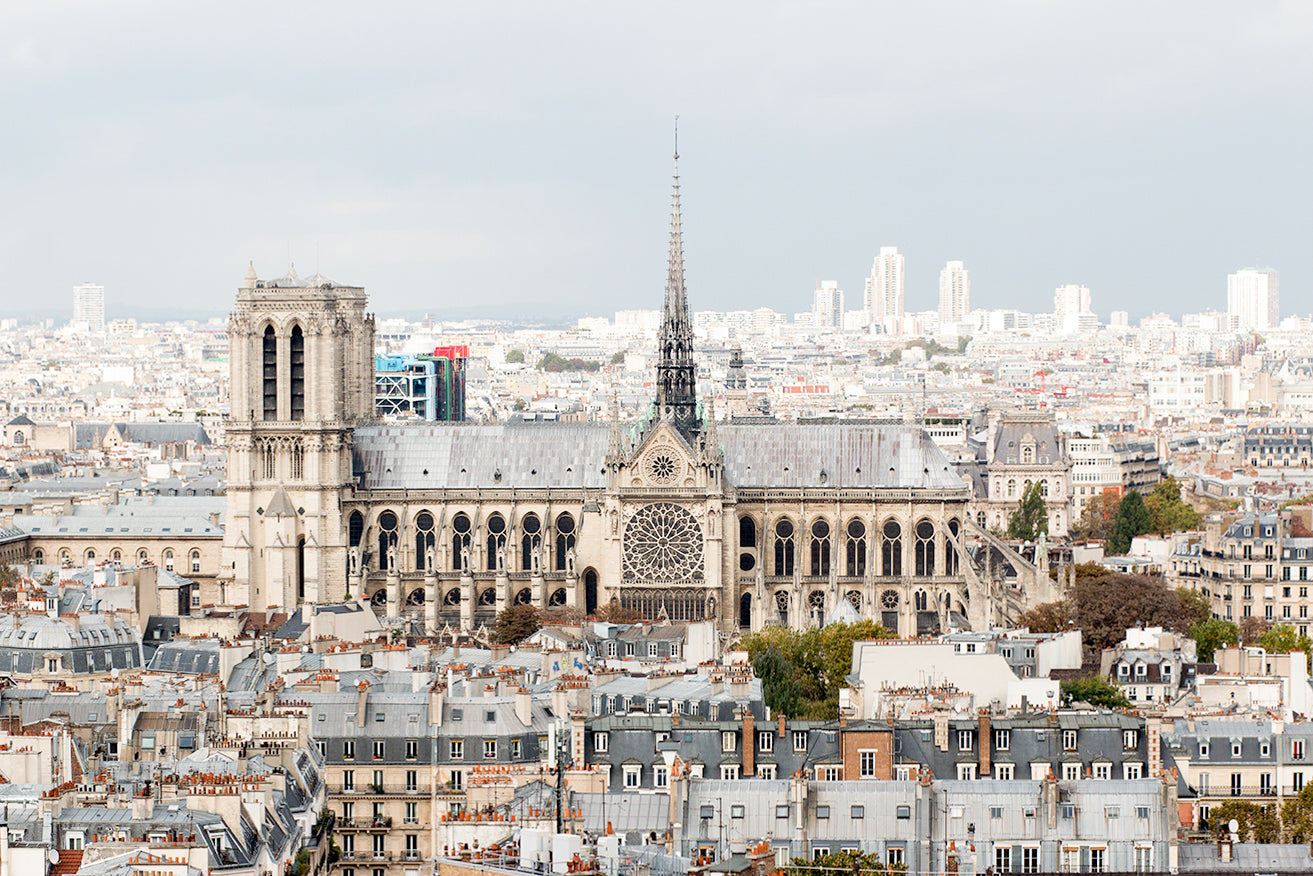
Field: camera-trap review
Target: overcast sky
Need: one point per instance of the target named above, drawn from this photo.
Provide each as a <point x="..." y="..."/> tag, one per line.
<point x="515" y="157"/>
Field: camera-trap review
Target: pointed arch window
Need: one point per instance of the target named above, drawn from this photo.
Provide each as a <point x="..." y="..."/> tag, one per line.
<point x="460" y="543"/>
<point x="820" y="548"/>
<point x="855" y="565"/>
<point x="784" y="547"/>
<point x="387" y="538"/>
<point x="425" y="538"/>
<point x="496" y="542"/>
<point x="564" y="539"/>
<point x="747" y="532"/>
<point x="951" y="558"/>
<point x="531" y="544"/>
<point x="925" y="548"/>
<point x="297" y="373"/>
<point x="270" y="373"/>
<point x="891" y="550"/>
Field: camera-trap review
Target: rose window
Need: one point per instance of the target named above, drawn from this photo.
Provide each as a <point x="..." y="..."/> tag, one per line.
<point x="663" y="543"/>
<point x="662" y="468"/>
<point x="889" y="600"/>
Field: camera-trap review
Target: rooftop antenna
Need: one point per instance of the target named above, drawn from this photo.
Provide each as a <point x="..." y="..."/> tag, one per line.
<point x="676" y="138"/>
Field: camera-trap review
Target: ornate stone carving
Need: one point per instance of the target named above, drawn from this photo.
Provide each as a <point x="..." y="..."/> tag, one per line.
<point x="663" y="544"/>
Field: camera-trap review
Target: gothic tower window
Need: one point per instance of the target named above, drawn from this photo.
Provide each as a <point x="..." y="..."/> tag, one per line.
<point x="951" y="559"/>
<point x="460" y="543"/>
<point x="891" y="550"/>
<point x="298" y="461"/>
<point x="531" y="543"/>
<point x="270" y="373"/>
<point x="268" y="460"/>
<point x="424" y="540"/>
<point x="820" y="548"/>
<point x="747" y="543"/>
<point x="564" y="539"/>
<point x="387" y="538"/>
<point x="355" y="528"/>
<point x="782" y="606"/>
<point x="856" y="552"/>
<point x="297" y="373"/>
<point x="784" y="547"/>
<point x="921" y="600"/>
<point x="496" y="542"/>
<point x="925" y="548"/>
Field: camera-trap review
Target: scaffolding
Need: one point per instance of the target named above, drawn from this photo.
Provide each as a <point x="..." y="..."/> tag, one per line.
<point x="425" y="387"/>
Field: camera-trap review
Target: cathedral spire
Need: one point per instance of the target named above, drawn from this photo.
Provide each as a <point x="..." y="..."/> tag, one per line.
<point x="676" y="377"/>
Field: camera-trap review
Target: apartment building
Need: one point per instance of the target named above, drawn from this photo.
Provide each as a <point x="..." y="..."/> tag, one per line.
<point x="1250" y="566"/>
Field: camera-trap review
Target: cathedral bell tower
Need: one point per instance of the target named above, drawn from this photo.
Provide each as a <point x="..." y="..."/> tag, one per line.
<point x="301" y="354"/>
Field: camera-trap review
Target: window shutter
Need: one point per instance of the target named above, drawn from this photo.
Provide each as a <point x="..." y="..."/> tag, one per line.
<point x="1016" y="859"/>
<point x="1085" y="859"/>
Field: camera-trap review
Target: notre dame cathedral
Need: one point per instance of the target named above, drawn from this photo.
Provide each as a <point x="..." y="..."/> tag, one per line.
<point x="679" y="517"/>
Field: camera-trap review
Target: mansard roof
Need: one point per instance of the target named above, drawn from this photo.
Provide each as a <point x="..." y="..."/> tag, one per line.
<point x="564" y="455"/>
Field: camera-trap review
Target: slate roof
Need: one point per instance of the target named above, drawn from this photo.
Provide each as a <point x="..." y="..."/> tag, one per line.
<point x="187" y="657"/>
<point x="1245" y="858"/>
<point x="85" y="434"/>
<point x="564" y="455"/>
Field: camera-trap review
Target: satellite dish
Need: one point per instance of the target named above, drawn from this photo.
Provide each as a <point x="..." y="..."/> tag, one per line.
<point x="1233" y="825"/>
<point x="114" y="673"/>
<point x="52" y="856"/>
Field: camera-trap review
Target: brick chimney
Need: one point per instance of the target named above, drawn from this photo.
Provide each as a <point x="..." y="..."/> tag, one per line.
<point x="781" y="733"/>
<point x="983" y="745"/>
<point x="1153" y="728"/>
<point x="749" y="743"/>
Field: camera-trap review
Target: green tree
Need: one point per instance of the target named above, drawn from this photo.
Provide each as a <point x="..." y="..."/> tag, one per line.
<point x="618" y="358"/>
<point x="1297" y="817"/>
<point x="1195" y="604"/>
<point x="802" y="671"/>
<point x="1132" y="519"/>
<point x="776" y="673"/>
<point x="1032" y="518"/>
<point x="1211" y="634"/>
<point x="1167" y="513"/>
<point x="845" y="861"/>
<point x="515" y="623"/>
<point x="1096" y="521"/>
<point x="1093" y="690"/>
<point x="1280" y="639"/>
<point x="515" y="357"/>
<point x="1048" y="617"/>
<point x="1255" y="823"/>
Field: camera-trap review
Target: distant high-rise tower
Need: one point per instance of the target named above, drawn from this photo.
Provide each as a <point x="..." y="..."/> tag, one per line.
<point x="884" y="288"/>
<point x="1070" y="299"/>
<point x="954" y="293"/>
<point x="1253" y="298"/>
<point x="89" y="307"/>
<point x="827" y="305"/>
